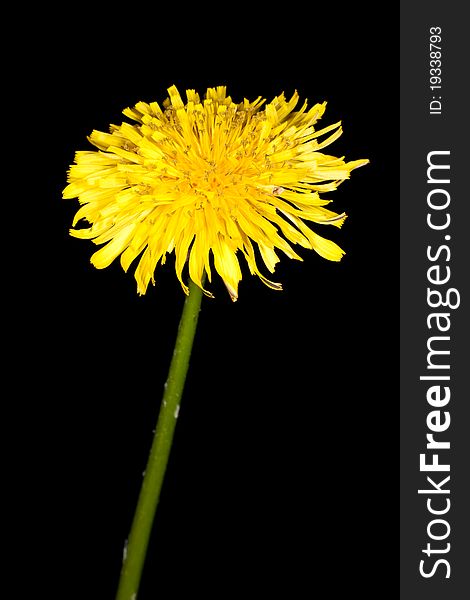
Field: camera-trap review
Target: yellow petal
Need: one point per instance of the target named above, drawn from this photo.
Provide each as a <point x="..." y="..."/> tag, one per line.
<point x="269" y="257"/>
<point x="227" y="266"/>
<point x="74" y="189"/>
<point x="105" y="256"/>
<point x="324" y="247"/>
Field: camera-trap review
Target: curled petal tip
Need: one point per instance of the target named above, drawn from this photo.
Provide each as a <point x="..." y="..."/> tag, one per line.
<point x="232" y="291"/>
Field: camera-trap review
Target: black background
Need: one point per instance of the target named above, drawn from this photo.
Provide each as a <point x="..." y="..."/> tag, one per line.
<point x="282" y="476"/>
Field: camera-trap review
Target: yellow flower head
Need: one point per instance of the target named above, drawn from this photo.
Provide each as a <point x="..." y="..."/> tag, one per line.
<point x="208" y="176"/>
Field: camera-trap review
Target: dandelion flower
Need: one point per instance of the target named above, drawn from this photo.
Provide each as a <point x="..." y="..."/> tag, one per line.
<point x="209" y="176"/>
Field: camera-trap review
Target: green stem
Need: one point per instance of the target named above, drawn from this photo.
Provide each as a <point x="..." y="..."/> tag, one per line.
<point x="134" y="555"/>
